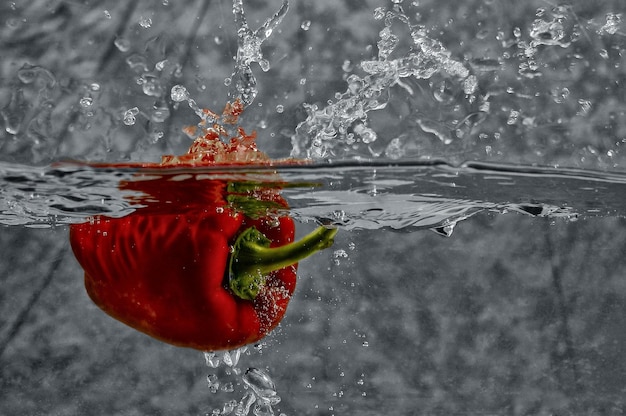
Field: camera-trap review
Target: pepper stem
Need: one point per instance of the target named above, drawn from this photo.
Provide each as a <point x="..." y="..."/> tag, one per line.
<point x="252" y="258"/>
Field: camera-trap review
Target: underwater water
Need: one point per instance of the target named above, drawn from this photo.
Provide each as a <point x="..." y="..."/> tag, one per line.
<point x="470" y="154"/>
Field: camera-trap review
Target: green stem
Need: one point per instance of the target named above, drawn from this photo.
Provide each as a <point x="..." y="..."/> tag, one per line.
<point x="253" y="259"/>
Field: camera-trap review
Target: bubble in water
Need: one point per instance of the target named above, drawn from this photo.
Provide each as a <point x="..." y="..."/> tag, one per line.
<point x="262" y="385"/>
<point x="212" y="359"/>
<point x="129" y="116"/>
<point x="218" y="39"/>
<point x="213" y="383"/>
<point x="306" y="25"/>
<point x="107" y="14"/>
<point x="122" y="44"/>
<point x="231" y="358"/>
<point x="280" y="108"/>
<point x="263" y="409"/>
<point x="244" y="405"/>
<point x="179" y="93"/>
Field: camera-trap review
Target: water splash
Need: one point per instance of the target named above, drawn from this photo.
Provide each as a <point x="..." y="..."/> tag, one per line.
<point x="243" y="82"/>
<point x="340" y="129"/>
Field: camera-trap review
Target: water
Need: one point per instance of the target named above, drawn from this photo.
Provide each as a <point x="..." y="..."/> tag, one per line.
<point x="351" y="195"/>
<point x="471" y="155"/>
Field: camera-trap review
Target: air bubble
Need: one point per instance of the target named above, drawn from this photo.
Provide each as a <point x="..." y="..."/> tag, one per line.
<point x="212" y="359"/>
<point x="107" y="14"/>
<point x="280" y="108"/>
<point x="306" y="25"/>
<point x="261" y="383"/>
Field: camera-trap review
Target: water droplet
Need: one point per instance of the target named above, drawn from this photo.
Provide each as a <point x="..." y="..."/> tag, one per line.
<point x="513" y="117"/>
<point x="179" y="93"/>
<point x="122" y="44"/>
<point x="137" y="63"/>
<point x="160" y="114"/>
<point x="585" y="107"/>
<point x="379" y="13"/>
<point x="612" y="24"/>
<point x="129" y="116"/>
<point x="27" y="74"/>
<point x="367" y="134"/>
<point x="470" y="84"/>
<point x="152" y="86"/>
<point x="159" y="66"/>
<point x="306" y="25"/>
<point x="145" y="22"/>
<point x="548" y="33"/>
<point x="86" y="102"/>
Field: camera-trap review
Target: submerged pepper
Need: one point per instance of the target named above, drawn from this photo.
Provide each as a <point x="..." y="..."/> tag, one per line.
<point x="207" y="264"/>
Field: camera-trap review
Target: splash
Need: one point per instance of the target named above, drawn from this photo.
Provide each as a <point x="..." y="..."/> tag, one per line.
<point x="243" y="82"/>
<point x="341" y="129"/>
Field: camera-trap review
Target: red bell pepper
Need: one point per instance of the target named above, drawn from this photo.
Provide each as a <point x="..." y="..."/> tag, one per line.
<point x="207" y="264"/>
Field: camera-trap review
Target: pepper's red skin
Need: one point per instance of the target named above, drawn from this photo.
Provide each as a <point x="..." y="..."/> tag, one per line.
<point x="163" y="271"/>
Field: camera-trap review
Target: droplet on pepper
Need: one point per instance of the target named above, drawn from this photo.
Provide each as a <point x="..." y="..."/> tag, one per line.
<point x="208" y="264"/>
